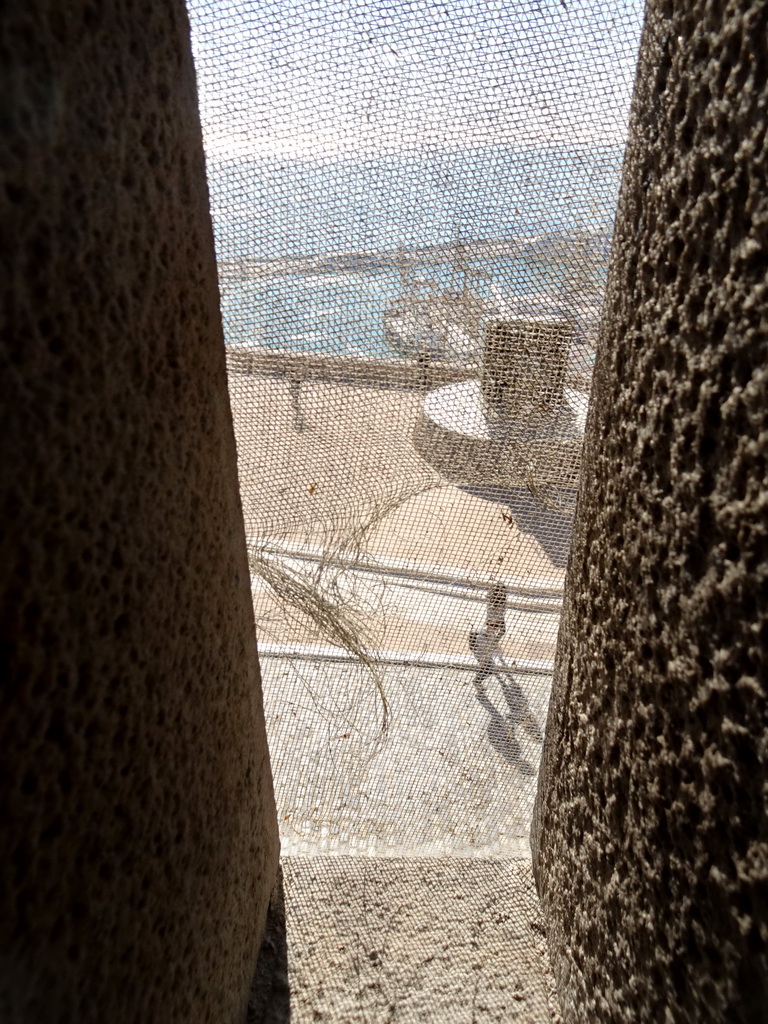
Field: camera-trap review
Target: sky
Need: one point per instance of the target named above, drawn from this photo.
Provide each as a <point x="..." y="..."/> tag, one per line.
<point x="320" y="79"/>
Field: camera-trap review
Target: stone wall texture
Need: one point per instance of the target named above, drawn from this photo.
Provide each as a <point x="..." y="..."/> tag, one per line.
<point x="137" y="826"/>
<point x="651" y="834"/>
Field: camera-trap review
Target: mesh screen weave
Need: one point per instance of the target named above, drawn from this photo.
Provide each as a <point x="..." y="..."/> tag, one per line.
<point x="412" y="206"/>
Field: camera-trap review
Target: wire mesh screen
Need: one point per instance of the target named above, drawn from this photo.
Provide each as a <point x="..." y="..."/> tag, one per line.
<point x="412" y="206"/>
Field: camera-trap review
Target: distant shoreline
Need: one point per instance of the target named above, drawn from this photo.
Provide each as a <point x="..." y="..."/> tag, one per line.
<point x="346" y="261"/>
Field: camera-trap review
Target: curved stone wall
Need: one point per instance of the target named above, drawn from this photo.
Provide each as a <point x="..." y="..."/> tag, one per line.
<point x="138" y="838"/>
<point x="651" y="840"/>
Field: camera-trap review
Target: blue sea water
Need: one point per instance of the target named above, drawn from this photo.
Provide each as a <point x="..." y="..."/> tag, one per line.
<point x="278" y="223"/>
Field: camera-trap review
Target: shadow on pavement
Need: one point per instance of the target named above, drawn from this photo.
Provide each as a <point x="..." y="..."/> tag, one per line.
<point x="501" y="727"/>
<point x="270" y="999"/>
<point x="551" y="527"/>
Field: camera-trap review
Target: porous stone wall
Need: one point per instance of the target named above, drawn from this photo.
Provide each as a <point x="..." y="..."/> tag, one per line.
<point x="651" y="835"/>
<point x="138" y="837"/>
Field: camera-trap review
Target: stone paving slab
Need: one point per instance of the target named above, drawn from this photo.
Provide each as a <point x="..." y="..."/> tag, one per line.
<point x="360" y="940"/>
<point x="454" y="774"/>
<point x="352" y="471"/>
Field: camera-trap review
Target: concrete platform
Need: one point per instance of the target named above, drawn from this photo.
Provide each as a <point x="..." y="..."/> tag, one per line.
<point x="348" y="472"/>
<point x="359" y="940"/>
<point x="453" y="775"/>
<point x="540" y="452"/>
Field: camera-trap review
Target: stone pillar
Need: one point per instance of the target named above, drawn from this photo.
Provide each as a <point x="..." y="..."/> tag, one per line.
<point x="138" y="840"/>
<point x="651" y="834"/>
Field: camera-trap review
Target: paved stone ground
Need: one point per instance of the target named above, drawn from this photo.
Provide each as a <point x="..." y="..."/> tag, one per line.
<point x="369" y="940"/>
<point x="353" y="470"/>
<point x="398" y="612"/>
<point x="407" y="893"/>
<point x="454" y="774"/>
